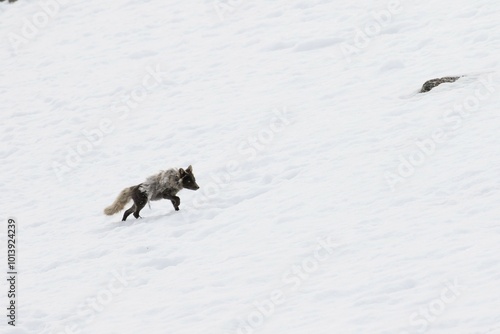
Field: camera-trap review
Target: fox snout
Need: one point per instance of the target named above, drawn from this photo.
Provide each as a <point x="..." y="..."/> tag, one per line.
<point x="190" y="184"/>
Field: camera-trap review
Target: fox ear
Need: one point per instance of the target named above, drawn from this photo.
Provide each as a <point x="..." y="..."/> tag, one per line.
<point x="182" y="172"/>
<point x="189" y="169"/>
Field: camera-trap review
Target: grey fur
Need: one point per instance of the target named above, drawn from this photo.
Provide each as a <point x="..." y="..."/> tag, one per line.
<point x="166" y="180"/>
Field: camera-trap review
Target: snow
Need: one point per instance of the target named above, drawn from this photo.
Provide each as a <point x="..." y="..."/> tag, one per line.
<point x="334" y="197"/>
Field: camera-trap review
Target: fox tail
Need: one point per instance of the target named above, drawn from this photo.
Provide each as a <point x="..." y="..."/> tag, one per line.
<point x="120" y="202"/>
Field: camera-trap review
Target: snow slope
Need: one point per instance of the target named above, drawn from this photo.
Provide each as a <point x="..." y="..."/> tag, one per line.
<point x="334" y="198"/>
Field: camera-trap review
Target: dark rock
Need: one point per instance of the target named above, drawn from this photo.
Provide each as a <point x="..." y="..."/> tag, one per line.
<point x="428" y="85"/>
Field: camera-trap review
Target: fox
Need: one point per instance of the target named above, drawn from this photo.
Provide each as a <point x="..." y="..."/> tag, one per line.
<point x="163" y="185"/>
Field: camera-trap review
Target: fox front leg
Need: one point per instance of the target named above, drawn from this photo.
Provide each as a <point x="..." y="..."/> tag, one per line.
<point x="176" y="201"/>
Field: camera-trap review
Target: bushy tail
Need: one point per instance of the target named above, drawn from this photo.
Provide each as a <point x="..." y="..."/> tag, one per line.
<point x="120" y="202"/>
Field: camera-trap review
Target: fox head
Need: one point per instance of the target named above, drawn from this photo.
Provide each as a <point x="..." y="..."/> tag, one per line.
<point x="187" y="178"/>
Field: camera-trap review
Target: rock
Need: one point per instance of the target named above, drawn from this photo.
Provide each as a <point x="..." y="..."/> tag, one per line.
<point x="428" y="85"/>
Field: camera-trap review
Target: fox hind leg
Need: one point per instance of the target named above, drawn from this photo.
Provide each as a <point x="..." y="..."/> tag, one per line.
<point x="140" y="200"/>
<point x="128" y="212"/>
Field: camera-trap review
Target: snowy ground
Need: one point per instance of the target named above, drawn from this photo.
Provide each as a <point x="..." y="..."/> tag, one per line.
<point x="334" y="198"/>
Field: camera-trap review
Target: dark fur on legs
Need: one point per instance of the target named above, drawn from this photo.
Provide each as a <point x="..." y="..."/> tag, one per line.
<point x="176" y="201"/>
<point x="140" y="199"/>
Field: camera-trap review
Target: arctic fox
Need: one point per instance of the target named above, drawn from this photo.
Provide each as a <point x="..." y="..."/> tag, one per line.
<point x="164" y="185"/>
